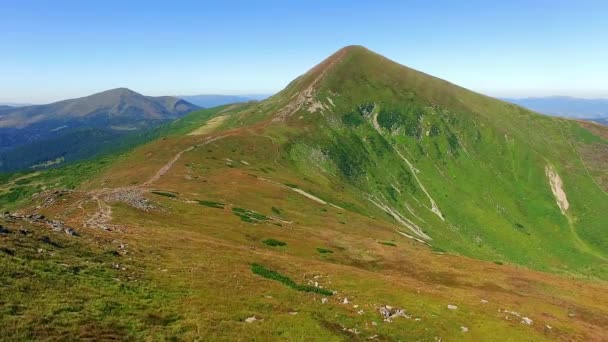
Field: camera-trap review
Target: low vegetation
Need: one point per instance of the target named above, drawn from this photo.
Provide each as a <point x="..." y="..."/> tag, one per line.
<point x="211" y="204"/>
<point x="250" y="216"/>
<point x="266" y="273"/>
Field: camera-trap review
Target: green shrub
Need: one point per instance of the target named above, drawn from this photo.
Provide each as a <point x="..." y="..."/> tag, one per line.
<point x="276" y="210"/>
<point x="269" y="274"/>
<point x="324" y="251"/>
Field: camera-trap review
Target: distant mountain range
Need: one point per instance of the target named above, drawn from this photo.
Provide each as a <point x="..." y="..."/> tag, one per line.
<point x="13" y="104"/>
<point x="209" y="101"/>
<point x="587" y="109"/>
<point x="68" y="130"/>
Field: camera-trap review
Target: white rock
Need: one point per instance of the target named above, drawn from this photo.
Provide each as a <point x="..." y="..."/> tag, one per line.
<point x="324" y="300"/>
<point x="345" y="300"/>
<point x="526" y="320"/>
<point x="452" y="307"/>
<point x="484" y="301"/>
<point x="251" y="319"/>
<point x="464" y="329"/>
<point x="548" y="326"/>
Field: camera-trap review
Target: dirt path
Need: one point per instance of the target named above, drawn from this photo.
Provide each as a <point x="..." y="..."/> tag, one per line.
<point x="132" y="194"/>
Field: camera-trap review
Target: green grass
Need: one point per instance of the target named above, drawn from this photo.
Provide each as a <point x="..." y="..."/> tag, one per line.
<point x="54" y="286"/>
<point x="269" y="274"/>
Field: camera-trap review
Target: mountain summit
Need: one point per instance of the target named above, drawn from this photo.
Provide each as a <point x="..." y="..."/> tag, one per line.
<point x="366" y="200"/>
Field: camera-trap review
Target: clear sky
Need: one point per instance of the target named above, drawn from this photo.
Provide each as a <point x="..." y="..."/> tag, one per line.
<point x="51" y="50"/>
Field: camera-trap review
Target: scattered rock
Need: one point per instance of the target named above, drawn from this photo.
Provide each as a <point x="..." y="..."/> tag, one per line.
<point x="324" y="300"/>
<point x="345" y="300"/>
<point x="251" y="319"/>
<point x="484" y="301"/>
<point x="389" y="314"/>
<point x="386" y="313"/>
<point x="464" y="329"/>
<point x="452" y="307"/>
<point x="374" y="323"/>
<point x="132" y="197"/>
<point x="548" y="326"/>
<point x="70" y="231"/>
<point x="360" y="312"/>
<point x="293" y="313"/>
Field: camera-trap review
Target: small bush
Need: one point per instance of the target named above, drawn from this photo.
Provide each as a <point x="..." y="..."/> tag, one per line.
<point x="269" y="274"/>
<point x="324" y="251"/>
<point x="497" y="262"/>
<point x="274" y="243"/>
<point x="276" y="210"/>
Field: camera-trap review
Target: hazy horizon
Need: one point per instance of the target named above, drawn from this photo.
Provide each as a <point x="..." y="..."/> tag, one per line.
<point x="74" y="49"/>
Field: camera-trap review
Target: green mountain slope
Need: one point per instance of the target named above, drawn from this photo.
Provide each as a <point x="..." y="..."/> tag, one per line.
<point x="462" y="171"/>
<point x="364" y="201"/>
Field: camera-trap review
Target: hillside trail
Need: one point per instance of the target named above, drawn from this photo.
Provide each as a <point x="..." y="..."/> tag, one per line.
<point x="132" y="194"/>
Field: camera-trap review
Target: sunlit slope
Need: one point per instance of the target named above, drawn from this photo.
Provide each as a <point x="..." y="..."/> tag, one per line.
<point x="363" y="177"/>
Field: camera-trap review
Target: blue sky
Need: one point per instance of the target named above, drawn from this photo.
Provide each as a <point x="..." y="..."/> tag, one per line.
<point x="51" y="50"/>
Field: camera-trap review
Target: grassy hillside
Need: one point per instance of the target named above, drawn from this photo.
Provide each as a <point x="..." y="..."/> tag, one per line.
<point x="362" y="189"/>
